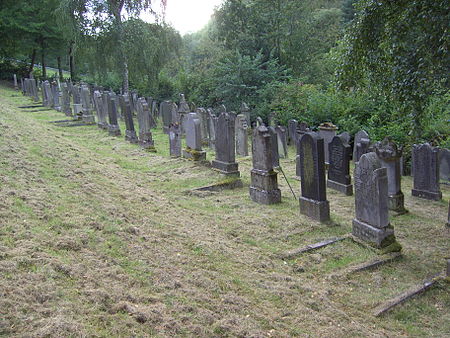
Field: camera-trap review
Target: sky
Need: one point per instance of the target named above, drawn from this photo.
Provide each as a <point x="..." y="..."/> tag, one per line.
<point x="189" y="16"/>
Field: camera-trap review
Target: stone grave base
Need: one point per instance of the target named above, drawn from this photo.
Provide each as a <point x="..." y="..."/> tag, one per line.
<point x="396" y="203"/>
<point x="113" y="130"/>
<point x="229" y="169"/>
<point x="376" y="237"/>
<point x="264" y="187"/>
<point x="130" y="136"/>
<point x="195" y="155"/>
<point x="318" y="210"/>
<point x="148" y="145"/>
<point x="265" y="197"/>
<point x="429" y="195"/>
<point x="346" y="189"/>
<point x="89" y="119"/>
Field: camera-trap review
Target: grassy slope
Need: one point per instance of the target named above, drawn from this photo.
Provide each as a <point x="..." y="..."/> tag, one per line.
<point x="97" y="237"/>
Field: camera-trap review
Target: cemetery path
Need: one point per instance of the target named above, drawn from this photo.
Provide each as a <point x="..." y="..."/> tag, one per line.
<point x="98" y="238"/>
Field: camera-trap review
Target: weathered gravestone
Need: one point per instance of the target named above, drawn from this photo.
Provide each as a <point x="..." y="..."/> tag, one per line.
<point x="16" y="87"/>
<point x="166" y="112"/>
<point x="361" y="145"/>
<point x="98" y="104"/>
<point x="202" y="114"/>
<point x="46" y="100"/>
<point x="113" y="125"/>
<point x="347" y="137"/>
<point x="175" y="117"/>
<point x="245" y="110"/>
<point x="34" y="90"/>
<point x="282" y="141"/>
<point x="390" y="158"/>
<point x="77" y="105"/>
<point x="130" y="132"/>
<point x="175" y="140"/>
<point x="425" y="160"/>
<point x="144" y="118"/>
<point x="313" y="201"/>
<point x="183" y="110"/>
<point x="327" y="131"/>
<point x="339" y="168"/>
<point x="444" y="165"/>
<point x="193" y="149"/>
<point x="225" y="161"/>
<point x="66" y="100"/>
<point x="149" y="101"/>
<point x="56" y="95"/>
<point x="264" y="184"/>
<point x="212" y="127"/>
<point x="259" y="122"/>
<point x="87" y="115"/>
<point x="105" y="111"/>
<point x="371" y="222"/>
<point x="274" y="143"/>
<point x="241" y="128"/>
<point x="292" y="132"/>
<point x="301" y="129"/>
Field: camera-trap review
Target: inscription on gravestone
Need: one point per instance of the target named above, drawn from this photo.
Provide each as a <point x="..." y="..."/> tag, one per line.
<point x="425" y="160"/>
<point x="225" y="161"/>
<point x="175" y="140"/>
<point x="339" y="168"/>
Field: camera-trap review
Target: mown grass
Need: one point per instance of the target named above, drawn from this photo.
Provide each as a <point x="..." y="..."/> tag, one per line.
<point x="99" y="237"/>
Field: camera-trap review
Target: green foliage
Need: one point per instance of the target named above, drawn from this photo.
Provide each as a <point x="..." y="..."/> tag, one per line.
<point x="8" y="68"/>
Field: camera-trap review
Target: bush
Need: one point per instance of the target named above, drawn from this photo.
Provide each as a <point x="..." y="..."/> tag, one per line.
<point x="10" y="67"/>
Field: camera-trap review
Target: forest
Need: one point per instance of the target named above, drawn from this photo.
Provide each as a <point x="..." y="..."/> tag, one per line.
<point x="378" y="65"/>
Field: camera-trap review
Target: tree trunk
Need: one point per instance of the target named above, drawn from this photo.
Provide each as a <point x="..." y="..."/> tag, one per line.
<point x="116" y="10"/>
<point x="33" y="59"/>
<point x="71" y="62"/>
<point x="44" y="69"/>
<point x="61" y="78"/>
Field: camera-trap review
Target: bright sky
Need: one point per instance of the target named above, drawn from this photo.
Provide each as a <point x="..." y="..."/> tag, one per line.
<point x="189" y="16"/>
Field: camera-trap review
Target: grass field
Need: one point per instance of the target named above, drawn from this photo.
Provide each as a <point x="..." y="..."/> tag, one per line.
<point x="100" y="238"/>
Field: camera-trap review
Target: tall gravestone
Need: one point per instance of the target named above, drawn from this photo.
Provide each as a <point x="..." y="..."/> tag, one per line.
<point x="16" y="87"/>
<point x="145" y="135"/>
<point x="113" y="125"/>
<point x="264" y="183"/>
<point x="130" y="132"/>
<point x="241" y="128"/>
<point x="77" y="104"/>
<point x="300" y="129"/>
<point x="361" y="145"/>
<point x="274" y="143"/>
<point x="390" y="158"/>
<point x="193" y="149"/>
<point x="212" y="127"/>
<point x="98" y="104"/>
<point x="425" y="160"/>
<point x="371" y="222"/>
<point x="66" y="100"/>
<point x="444" y="165"/>
<point x="292" y="131"/>
<point x="339" y="168"/>
<point x="327" y="131"/>
<point x="56" y="95"/>
<point x="282" y="141"/>
<point x="245" y="110"/>
<point x="87" y="115"/>
<point x="183" y="111"/>
<point x="202" y="114"/>
<point x="166" y="112"/>
<point x="34" y="89"/>
<point x="175" y="140"/>
<point x="313" y="199"/>
<point x="225" y="161"/>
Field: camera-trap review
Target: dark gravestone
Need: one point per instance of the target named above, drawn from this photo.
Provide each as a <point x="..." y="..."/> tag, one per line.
<point x="282" y="141"/>
<point x="241" y="127"/>
<point x="448" y="216"/>
<point x="104" y="111"/>
<point x="313" y="201"/>
<point x="45" y="101"/>
<point x="56" y="95"/>
<point x="425" y="160"/>
<point x="390" y="158"/>
<point x="113" y="126"/>
<point x="87" y="115"/>
<point x="371" y="222"/>
<point x="166" y="112"/>
<point x="301" y="129"/>
<point x="193" y="149"/>
<point x="130" y="132"/>
<point x="175" y="140"/>
<point x="292" y="131"/>
<point x="327" y="131"/>
<point x="66" y="100"/>
<point x="225" y="161"/>
<point x="274" y="144"/>
<point x="212" y="127"/>
<point x="149" y="101"/>
<point x="34" y="90"/>
<point x="444" y="165"/>
<point x="339" y="168"/>
<point x="363" y="147"/>
<point x="264" y="184"/>
<point x="183" y="111"/>
<point x="144" y="118"/>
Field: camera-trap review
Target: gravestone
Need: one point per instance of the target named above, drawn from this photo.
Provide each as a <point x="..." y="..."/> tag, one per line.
<point x="245" y="110"/>
<point x="425" y="159"/>
<point x="271" y="119"/>
<point x="175" y="117"/>
<point x="225" y="161"/>
<point x="327" y="131"/>
<point x="282" y="141"/>
<point x="371" y="222"/>
<point x="448" y="215"/>
<point x="183" y="110"/>
<point x="292" y="131"/>
<point x="98" y="104"/>
<point x="259" y="122"/>
<point x="313" y="199"/>
<point x="130" y="132"/>
<point x="16" y="87"/>
<point x="144" y="118"/>
<point x="166" y="112"/>
<point x="390" y="158"/>
<point x="113" y="125"/>
<point x="361" y="144"/>
<point x="45" y="94"/>
<point x="193" y="149"/>
<point x="301" y="129"/>
<point x="55" y="95"/>
<point x="105" y="111"/>
<point x="202" y="114"/>
<point x="87" y="115"/>
<point x="241" y="128"/>
<point x="212" y="127"/>
<point x="347" y="137"/>
<point x="66" y="100"/>
<point x="339" y="168"/>
<point x="274" y="143"/>
<point x="264" y="184"/>
<point x="34" y="90"/>
<point x="444" y="165"/>
<point x="149" y="101"/>
<point x="175" y="140"/>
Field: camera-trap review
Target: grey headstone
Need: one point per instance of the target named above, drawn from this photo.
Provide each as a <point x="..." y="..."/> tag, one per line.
<point x="165" y="109"/>
<point x="425" y="160"/>
<point x="56" y="95"/>
<point x="225" y="161"/>
<point x="212" y="127"/>
<point x="444" y="165"/>
<point x="193" y="139"/>
<point x="16" y="87"/>
<point x="360" y="135"/>
<point x="241" y="128"/>
<point x="390" y="156"/>
<point x="130" y="132"/>
<point x="282" y="141"/>
<point x="313" y="201"/>
<point x="175" y="140"/>
<point x="264" y="184"/>
<point x="274" y="143"/>
<point x="66" y="100"/>
<point x="245" y="110"/>
<point x="339" y="168"/>
<point x="371" y="222"/>
<point x="327" y="131"/>
<point x="347" y="137"/>
<point x="292" y="130"/>
<point x="202" y="114"/>
<point x="113" y="125"/>
<point x="144" y="118"/>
